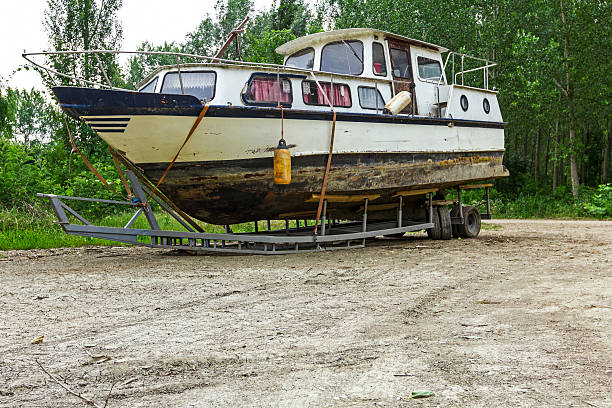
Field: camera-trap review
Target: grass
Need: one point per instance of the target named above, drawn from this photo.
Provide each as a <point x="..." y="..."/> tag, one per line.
<point x="560" y="205"/>
<point x="35" y="226"/>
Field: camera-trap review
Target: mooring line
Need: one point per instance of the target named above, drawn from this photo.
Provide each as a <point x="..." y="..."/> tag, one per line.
<point x="193" y="128"/>
<point x="329" y="157"/>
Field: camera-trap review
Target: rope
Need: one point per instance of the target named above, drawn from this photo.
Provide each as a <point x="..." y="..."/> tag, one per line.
<point x="282" y="122"/>
<point x="329" y="157"/>
<point x="93" y="170"/>
<point x="121" y="175"/>
<point x="193" y="128"/>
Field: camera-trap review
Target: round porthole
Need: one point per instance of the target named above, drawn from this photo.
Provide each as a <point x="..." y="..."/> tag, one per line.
<point x="486" y="106"/>
<point x="464" y="103"/>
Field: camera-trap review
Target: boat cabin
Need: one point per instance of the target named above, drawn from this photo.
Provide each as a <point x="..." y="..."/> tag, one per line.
<point x="365" y="68"/>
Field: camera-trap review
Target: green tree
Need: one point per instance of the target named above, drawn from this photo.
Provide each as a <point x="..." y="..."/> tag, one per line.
<point x="84" y="25"/>
<point x="30" y="118"/>
<point x="261" y="45"/>
<point x="292" y="15"/>
<point x="141" y="65"/>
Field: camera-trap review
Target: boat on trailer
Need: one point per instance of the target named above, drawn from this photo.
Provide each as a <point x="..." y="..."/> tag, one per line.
<point x="229" y="115"/>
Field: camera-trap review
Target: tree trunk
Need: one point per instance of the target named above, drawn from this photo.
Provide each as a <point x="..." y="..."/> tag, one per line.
<point x="573" y="160"/>
<point x="556" y="156"/>
<point x="570" y="108"/>
<point x="526" y="149"/>
<point x="547" y="154"/>
<point x="536" y="167"/>
<point x="605" y="174"/>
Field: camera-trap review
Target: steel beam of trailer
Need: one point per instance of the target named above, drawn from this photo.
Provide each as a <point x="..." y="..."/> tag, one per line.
<point x="337" y="235"/>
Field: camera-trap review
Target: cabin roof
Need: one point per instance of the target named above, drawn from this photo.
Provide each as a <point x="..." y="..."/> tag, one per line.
<point x="348" y="33"/>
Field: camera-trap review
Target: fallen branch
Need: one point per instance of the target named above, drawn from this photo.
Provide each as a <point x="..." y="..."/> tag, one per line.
<point x="64" y="386"/>
<point x="109" y="393"/>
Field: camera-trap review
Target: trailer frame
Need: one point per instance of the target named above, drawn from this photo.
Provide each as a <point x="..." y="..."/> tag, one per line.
<point x="333" y="234"/>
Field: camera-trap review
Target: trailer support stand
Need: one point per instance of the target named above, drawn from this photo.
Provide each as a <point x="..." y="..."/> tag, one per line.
<point x="140" y="196"/>
<point x="399" y="212"/>
<point x="273" y="241"/>
<point x="460" y="204"/>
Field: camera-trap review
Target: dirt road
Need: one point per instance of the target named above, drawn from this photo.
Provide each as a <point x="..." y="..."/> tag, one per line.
<point x="522" y="316"/>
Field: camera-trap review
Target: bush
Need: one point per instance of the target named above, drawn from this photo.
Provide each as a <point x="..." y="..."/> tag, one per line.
<point x="600" y="203"/>
<point x="544" y="204"/>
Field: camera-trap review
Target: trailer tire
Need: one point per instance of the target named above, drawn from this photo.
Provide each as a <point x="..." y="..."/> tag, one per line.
<point x="436" y="231"/>
<point x="471" y="223"/>
<point x="455" y="214"/>
<point x="446" y="227"/>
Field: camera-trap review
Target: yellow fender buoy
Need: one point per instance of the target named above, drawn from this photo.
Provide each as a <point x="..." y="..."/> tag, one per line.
<point x="282" y="163"/>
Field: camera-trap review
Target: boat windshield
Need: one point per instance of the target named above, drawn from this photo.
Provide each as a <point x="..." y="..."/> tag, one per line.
<point x="150" y="87"/>
<point x="343" y="57"/>
<point x="200" y="84"/>
<point x="301" y="59"/>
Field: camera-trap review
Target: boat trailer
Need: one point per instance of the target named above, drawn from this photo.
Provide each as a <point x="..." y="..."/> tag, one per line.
<point x="332" y="235"/>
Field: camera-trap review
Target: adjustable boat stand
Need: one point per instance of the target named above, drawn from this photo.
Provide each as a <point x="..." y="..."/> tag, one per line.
<point x="334" y="235"/>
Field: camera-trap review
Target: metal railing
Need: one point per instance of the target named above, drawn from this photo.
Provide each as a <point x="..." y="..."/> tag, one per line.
<point x="29" y="57"/>
<point x="454" y="75"/>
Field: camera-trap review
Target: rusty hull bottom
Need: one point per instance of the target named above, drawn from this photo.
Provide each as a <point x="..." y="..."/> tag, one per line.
<point x="230" y="192"/>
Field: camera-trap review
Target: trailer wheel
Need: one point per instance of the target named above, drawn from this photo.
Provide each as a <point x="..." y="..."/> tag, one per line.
<point x="471" y="223"/>
<point x="455" y="214"/>
<point x="446" y="227"/>
<point x="436" y="231"/>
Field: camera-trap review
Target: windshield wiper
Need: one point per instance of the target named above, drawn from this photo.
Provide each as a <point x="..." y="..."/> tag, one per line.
<point x="353" y="51"/>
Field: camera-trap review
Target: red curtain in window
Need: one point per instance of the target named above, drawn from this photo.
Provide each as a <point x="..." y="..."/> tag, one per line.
<point x="339" y="99"/>
<point x="265" y="90"/>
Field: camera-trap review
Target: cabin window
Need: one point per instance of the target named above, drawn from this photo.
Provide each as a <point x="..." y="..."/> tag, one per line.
<point x="200" y="84"/>
<point x="486" y="106"/>
<point x="301" y="59"/>
<point x="370" y="98"/>
<point x="343" y="57"/>
<point x="150" y="87"/>
<point x="379" y="65"/>
<point x="463" y="101"/>
<point x="313" y="96"/>
<point x="263" y="89"/>
<point x="401" y="63"/>
<point x="429" y="68"/>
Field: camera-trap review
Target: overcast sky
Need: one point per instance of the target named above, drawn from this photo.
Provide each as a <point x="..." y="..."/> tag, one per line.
<point x="143" y="20"/>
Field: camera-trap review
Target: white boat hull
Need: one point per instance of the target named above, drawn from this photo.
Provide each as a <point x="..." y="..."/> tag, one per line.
<point x="224" y="174"/>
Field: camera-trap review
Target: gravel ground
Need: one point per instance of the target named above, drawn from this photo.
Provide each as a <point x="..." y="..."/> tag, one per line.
<point x="521" y="316"/>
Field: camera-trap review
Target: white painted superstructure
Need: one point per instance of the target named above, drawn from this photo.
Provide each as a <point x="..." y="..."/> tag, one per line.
<point x="253" y="131"/>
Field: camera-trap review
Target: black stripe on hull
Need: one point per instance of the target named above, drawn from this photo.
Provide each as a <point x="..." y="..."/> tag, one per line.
<point x="80" y="102"/>
<point x="229" y="192"/>
<point x="107" y="125"/>
<point x="88" y="120"/>
<point x="108" y="130"/>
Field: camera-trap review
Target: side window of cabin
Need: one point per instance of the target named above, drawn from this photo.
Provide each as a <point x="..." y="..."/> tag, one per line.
<point x="150" y="87"/>
<point x="313" y="96"/>
<point x="401" y="63"/>
<point x="429" y="68"/>
<point x="343" y="57"/>
<point x="197" y="83"/>
<point x="265" y="90"/>
<point x="370" y="98"/>
<point x="379" y="65"/>
<point x="301" y="59"/>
